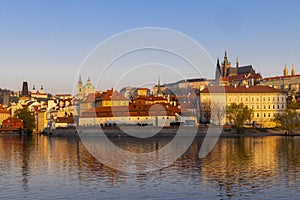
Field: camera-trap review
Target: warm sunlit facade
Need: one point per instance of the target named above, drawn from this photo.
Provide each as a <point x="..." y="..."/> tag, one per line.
<point x="263" y="100"/>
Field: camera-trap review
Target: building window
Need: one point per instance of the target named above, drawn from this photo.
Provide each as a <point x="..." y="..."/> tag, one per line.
<point x="257" y="98"/>
<point x="277" y="106"/>
<point x="264" y="107"/>
<point x="230" y="99"/>
<point x="273" y="98"/>
<point x="264" y="114"/>
<point x="269" y="106"/>
<point x="257" y="115"/>
<point x="257" y="107"/>
<point x="268" y="98"/>
<point x="252" y="107"/>
<point x="282" y="106"/>
<point x="264" y="98"/>
<point x="277" y="98"/>
<point x="282" y="98"/>
<point x="273" y="106"/>
<point x="269" y="115"/>
<point x="246" y="98"/>
<point x="252" y="98"/>
<point x="241" y="98"/>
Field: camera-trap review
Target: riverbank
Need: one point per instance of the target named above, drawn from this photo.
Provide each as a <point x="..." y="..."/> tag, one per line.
<point x="200" y="131"/>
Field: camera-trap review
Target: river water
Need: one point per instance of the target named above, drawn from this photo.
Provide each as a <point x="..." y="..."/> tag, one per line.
<point x="39" y="167"/>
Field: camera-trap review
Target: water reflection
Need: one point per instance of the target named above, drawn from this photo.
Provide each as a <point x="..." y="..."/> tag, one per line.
<point x="236" y="168"/>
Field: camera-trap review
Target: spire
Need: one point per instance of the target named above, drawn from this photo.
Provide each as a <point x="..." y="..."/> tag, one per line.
<point x="218" y="70"/>
<point x="237" y="62"/>
<point x="293" y="71"/>
<point x="158" y="87"/>
<point x="88" y="81"/>
<point x="79" y="81"/>
<point x="226" y="62"/>
<point x="285" y="71"/>
<point x="33" y="88"/>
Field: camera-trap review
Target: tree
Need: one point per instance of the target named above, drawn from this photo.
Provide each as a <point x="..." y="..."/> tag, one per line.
<point x="288" y="120"/>
<point x="238" y="114"/>
<point x="218" y="113"/>
<point x="27" y="117"/>
<point x="205" y="109"/>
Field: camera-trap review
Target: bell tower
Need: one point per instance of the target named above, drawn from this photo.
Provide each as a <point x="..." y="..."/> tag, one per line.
<point x="80" y="88"/>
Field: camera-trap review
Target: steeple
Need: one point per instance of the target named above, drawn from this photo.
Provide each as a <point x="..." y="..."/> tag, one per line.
<point x="285" y="71"/>
<point x="80" y="81"/>
<point x="237" y="62"/>
<point x="225" y="58"/>
<point x="88" y="81"/>
<point x="218" y="70"/>
<point x="159" y="93"/>
<point x="293" y="71"/>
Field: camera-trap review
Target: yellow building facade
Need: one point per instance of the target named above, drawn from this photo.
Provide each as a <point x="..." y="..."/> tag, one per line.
<point x="265" y="101"/>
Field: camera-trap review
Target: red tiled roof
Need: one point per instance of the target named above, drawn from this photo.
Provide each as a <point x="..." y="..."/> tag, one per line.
<point x="64" y="120"/>
<point x="241" y="77"/>
<point x="132" y="110"/>
<point x="12" y="120"/>
<point x="113" y="95"/>
<point x="241" y="89"/>
<point x="280" y="77"/>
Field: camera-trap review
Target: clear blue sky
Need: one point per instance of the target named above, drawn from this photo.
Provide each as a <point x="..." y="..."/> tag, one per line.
<point x="45" y="42"/>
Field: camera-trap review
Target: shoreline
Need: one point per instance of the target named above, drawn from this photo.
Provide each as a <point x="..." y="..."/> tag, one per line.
<point x="159" y="132"/>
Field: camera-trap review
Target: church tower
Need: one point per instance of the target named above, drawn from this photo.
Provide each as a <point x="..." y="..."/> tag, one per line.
<point x="80" y="88"/>
<point x="237" y="62"/>
<point x="285" y="71"/>
<point x="159" y="92"/>
<point x="88" y="88"/>
<point x="218" y="70"/>
<point x="225" y="66"/>
<point x="293" y="71"/>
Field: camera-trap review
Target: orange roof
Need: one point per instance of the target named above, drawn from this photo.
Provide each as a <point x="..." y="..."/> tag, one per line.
<point x="12" y="120"/>
<point x="241" y="89"/>
<point x="132" y="110"/>
<point x="113" y="95"/>
<point x="280" y="77"/>
<point x="64" y="120"/>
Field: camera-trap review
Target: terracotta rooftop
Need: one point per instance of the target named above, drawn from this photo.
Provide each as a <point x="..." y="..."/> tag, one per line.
<point x="64" y="120"/>
<point x="280" y="77"/>
<point x="12" y="120"/>
<point x="241" y="89"/>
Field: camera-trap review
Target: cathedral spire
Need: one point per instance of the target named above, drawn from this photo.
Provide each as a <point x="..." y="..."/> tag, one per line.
<point x="237" y="62"/>
<point x="218" y="70"/>
<point x="159" y="93"/>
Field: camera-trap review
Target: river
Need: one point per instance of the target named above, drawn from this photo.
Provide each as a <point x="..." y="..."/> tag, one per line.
<point x="40" y="167"/>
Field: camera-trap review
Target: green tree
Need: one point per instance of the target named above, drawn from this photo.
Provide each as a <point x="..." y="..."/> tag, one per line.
<point x="238" y="114"/>
<point x="288" y="120"/>
<point x="27" y="117"/>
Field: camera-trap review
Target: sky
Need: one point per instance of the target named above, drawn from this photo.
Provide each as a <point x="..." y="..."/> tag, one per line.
<point x="46" y="42"/>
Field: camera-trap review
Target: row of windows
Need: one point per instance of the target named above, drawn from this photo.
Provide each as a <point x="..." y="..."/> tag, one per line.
<point x="268" y="107"/>
<point x="265" y="115"/>
<point x="257" y="99"/>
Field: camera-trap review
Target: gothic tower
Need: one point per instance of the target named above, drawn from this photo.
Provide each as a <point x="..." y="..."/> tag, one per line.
<point x="218" y="70"/>
<point x="225" y="66"/>
<point x="25" y="92"/>
<point x="80" y="88"/>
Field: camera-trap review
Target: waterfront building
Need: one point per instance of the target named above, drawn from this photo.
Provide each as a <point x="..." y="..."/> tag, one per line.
<point x="265" y="102"/>
<point x="12" y="123"/>
<point x="4" y="113"/>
